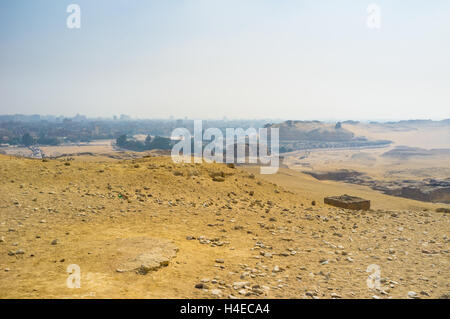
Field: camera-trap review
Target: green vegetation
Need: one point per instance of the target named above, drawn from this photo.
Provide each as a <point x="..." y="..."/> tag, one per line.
<point x="158" y="142"/>
<point x="27" y="139"/>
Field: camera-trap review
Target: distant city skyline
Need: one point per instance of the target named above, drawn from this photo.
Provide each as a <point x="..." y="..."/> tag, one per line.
<point x="209" y="59"/>
<point x="174" y="118"/>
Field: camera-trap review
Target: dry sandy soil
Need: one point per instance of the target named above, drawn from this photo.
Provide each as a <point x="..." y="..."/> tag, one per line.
<point x="242" y="236"/>
<point x="95" y="146"/>
<point x="431" y="135"/>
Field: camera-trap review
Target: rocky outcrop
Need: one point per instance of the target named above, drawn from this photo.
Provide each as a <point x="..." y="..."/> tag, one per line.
<point x="405" y="152"/>
<point x="339" y="175"/>
<point x="426" y="190"/>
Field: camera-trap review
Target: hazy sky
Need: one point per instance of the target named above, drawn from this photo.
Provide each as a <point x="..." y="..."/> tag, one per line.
<point x="236" y="58"/>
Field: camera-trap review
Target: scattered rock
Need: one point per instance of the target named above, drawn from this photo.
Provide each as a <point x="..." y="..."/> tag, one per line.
<point x="216" y="292"/>
<point x="17" y="252"/>
<point x="323" y="261"/>
<point x="276" y="269"/>
<point x="200" y="285"/>
<point x="218" y="179"/>
<point x="244" y="292"/>
<point x="240" y="284"/>
<point x="178" y="173"/>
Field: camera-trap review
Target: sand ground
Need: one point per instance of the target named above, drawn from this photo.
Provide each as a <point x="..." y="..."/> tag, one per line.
<point x="249" y="236"/>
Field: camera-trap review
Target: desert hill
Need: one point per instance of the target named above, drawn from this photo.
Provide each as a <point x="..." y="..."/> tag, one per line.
<point x="206" y="231"/>
<point x="308" y="135"/>
<point x="312" y="131"/>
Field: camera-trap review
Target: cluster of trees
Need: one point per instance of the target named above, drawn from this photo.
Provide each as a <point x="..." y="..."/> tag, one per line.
<point x="28" y="140"/>
<point x="158" y="142"/>
<point x="284" y="149"/>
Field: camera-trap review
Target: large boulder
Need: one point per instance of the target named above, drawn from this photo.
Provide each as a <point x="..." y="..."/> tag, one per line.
<point x="348" y="202"/>
<point x="143" y="255"/>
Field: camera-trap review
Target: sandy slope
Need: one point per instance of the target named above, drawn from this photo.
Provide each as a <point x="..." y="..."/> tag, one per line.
<point x="268" y="236"/>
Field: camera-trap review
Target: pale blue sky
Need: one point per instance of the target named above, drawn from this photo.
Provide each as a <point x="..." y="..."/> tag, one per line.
<point x="236" y="58"/>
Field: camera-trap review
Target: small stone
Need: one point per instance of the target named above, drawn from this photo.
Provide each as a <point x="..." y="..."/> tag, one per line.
<point x="216" y="292"/>
<point x="55" y="242"/>
<point x="200" y="286"/>
<point x="244" y="292"/>
<point x="220" y="261"/>
<point x="239" y="284"/>
<point x="413" y="295"/>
